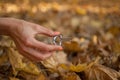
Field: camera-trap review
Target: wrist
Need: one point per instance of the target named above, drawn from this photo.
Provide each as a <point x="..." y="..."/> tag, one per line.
<point x="7" y="25"/>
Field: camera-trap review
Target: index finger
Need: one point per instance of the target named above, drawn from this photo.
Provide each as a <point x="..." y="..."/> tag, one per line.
<point x="45" y="47"/>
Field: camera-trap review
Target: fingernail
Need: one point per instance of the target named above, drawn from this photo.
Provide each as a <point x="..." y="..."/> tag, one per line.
<point x="56" y="33"/>
<point x="61" y="48"/>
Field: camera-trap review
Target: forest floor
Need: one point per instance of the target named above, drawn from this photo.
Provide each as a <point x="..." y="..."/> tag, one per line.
<point x="91" y="53"/>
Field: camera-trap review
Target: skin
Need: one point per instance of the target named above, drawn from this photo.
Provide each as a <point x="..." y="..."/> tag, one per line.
<point x="23" y="33"/>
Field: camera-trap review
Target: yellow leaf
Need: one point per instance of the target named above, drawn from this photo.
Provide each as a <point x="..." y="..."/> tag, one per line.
<point x="74" y="68"/>
<point x="27" y="76"/>
<point x="70" y="76"/>
<point x="78" y="67"/>
<point x="81" y="11"/>
<point x="18" y="64"/>
<point x="41" y="77"/>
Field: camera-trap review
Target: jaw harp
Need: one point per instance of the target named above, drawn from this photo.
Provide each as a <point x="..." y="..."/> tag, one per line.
<point x="57" y="40"/>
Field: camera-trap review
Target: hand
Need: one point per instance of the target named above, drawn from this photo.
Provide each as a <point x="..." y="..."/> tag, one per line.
<point x="23" y="33"/>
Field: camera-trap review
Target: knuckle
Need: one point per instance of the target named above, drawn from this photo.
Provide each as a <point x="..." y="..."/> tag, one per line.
<point x="47" y="48"/>
<point x="27" y="42"/>
<point x="46" y="56"/>
<point x="51" y="47"/>
<point x="23" y="49"/>
<point x="37" y="27"/>
<point x="39" y="57"/>
<point x="42" y="58"/>
<point x="33" y="58"/>
<point x="49" y="32"/>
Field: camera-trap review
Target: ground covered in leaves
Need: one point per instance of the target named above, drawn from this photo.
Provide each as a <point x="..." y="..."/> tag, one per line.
<point x="91" y="30"/>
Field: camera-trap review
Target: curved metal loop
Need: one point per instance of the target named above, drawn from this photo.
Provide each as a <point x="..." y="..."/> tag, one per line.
<point x="55" y="42"/>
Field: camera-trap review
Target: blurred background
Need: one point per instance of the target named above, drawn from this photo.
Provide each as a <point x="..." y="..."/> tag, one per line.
<point x="94" y="26"/>
<point x="70" y="17"/>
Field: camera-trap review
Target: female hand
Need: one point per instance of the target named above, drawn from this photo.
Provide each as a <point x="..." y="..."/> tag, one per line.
<point x="23" y="33"/>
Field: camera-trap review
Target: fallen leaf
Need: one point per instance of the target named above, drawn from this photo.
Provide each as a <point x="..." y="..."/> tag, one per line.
<point x="18" y="64"/>
<point x="74" y="68"/>
<point x="100" y="72"/>
<point x="71" y="46"/>
<point x="56" y="59"/>
<point x="80" y="11"/>
<point x="12" y="78"/>
<point x="70" y="76"/>
<point x="3" y="57"/>
<point x="27" y="76"/>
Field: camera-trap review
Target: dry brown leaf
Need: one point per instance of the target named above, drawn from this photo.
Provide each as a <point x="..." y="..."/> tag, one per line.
<point x="56" y="59"/>
<point x="70" y="76"/>
<point x="27" y="76"/>
<point x="72" y="46"/>
<point x="100" y="72"/>
<point x="114" y="30"/>
<point x="75" y="44"/>
<point x="116" y="47"/>
<point x="17" y="63"/>
<point x="3" y="58"/>
<point x="12" y="78"/>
